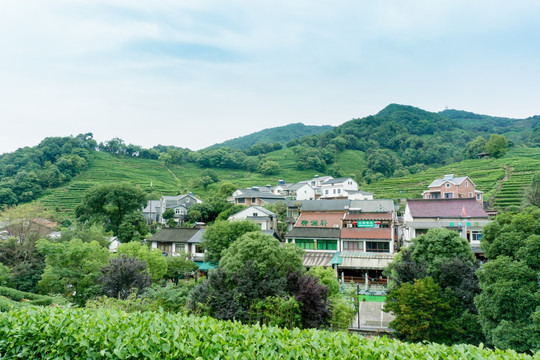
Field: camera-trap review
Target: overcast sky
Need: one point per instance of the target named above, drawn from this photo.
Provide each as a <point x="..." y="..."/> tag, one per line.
<point x="194" y="73"/>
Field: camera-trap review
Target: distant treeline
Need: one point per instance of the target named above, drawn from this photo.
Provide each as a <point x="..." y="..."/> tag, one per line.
<point x="398" y="141"/>
<point x="27" y="172"/>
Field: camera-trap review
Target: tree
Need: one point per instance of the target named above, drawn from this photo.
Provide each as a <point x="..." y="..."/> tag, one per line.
<point x="110" y="204"/>
<point x="178" y="266"/>
<point x="510" y="298"/>
<point x="313" y="297"/>
<point x="133" y="227"/>
<point x="497" y="145"/>
<point x="72" y="268"/>
<point x="423" y="312"/>
<point x="222" y="234"/>
<point x="156" y="263"/>
<point x="94" y="232"/>
<point x="168" y="214"/>
<point x="269" y="167"/>
<point x="124" y="274"/>
<point x="264" y="251"/>
<point x="532" y="193"/>
<point x="475" y="147"/>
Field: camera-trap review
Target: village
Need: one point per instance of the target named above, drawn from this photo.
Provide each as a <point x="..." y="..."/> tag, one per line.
<point x="338" y="225"/>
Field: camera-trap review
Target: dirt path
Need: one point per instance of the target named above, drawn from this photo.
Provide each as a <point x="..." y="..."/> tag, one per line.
<point x="507" y="173"/>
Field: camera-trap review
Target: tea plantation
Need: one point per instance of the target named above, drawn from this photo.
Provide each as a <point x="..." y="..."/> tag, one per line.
<point x="55" y="333"/>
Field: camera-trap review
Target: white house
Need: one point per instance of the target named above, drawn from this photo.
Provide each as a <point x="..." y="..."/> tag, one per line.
<point x="265" y="218"/>
<point x="338" y="188"/>
<point x="298" y="191"/>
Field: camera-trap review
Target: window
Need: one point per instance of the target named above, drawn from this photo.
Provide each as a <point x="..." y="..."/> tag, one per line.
<point x="428" y="196"/>
<point x="353" y="245"/>
<point x="377" y="246"/>
<point x="334" y="191"/>
<point x="339" y="191"/>
<point x="476" y="235"/>
<point x="326" y="192"/>
<point x="478" y="196"/>
<point x="326" y="244"/>
<point x="177" y="211"/>
<point x="470" y="195"/>
<point x="447" y="185"/>
<point x="253" y="200"/>
<point x="448" y="195"/>
<point x="308" y="244"/>
<point x="198" y="249"/>
<point x="241" y="201"/>
<point x="255" y="214"/>
<point x="350" y="182"/>
<point x="466" y="184"/>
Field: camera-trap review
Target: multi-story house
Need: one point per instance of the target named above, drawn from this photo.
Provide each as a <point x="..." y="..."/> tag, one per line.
<point x="255" y="196"/>
<point x="358" y="238"/>
<point x="451" y="187"/>
<point x="466" y="216"/>
<point x="338" y="188"/>
<point x="180" y="204"/>
<point x="265" y="218"/>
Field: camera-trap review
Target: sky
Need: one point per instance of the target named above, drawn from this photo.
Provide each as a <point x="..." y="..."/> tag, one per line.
<point x="195" y="73"/>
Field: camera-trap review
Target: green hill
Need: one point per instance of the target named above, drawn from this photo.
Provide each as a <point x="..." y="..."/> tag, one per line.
<point x="280" y="134"/>
<point x="395" y="154"/>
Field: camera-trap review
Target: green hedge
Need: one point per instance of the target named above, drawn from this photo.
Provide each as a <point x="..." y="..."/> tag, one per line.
<point x="52" y="333"/>
<point x="17" y="295"/>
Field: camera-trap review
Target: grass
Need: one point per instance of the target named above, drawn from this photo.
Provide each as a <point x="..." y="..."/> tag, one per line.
<point x="502" y="180"/>
<point x="372" y="298"/>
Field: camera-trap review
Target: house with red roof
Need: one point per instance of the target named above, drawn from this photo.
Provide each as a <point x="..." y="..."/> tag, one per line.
<point x="452" y="187"/>
<point x="464" y="215"/>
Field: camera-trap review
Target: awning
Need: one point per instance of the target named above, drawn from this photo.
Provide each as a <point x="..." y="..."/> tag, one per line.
<point x="204" y="266"/>
<point x="365" y="262"/>
<point x="312" y="259"/>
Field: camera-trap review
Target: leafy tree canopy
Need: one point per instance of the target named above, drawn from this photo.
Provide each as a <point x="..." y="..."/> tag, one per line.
<point x="264" y="251"/>
<point x="109" y="204"/>
<point x="156" y="263"/>
<point x="222" y="234"/>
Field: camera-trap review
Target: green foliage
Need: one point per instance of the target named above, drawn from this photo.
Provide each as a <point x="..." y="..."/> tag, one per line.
<point x="269" y="167"/>
<point x="475" y="147"/>
<point x="510" y="296"/>
<point x="72" y="268"/>
<point x="281" y="134"/>
<point x="423" y="312"/>
<point x="532" y="193"/>
<point x="27" y="172"/>
<point x="178" y="266"/>
<point x="170" y="298"/>
<point x="276" y="311"/>
<point x="87" y="333"/>
<point x="168" y="214"/>
<point x="510" y="299"/>
<point x="156" y="263"/>
<point x="132" y="228"/>
<point x="110" y="205"/>
<point x="94" y="232"/>
<point x="343" y="313"/>
<point x="497" y="145"/>
<point x="26" y="297"/>
<point x="264" y="251"/>
<point x="327" y="277"/>
<point x="5" y="274"/>
<point x="222" y="234"/>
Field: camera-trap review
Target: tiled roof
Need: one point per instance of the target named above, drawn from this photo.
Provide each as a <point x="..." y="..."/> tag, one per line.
<point x="323" y="205"/>
<point x="371" y="206"/>
<point x="198" y="237"/>
<point x="174" y="235"/>
<point x="45" y="222"/>
<point x="336" y="181"/>
<point x="369" y="216"/>
<point x="445" y="208"/>
<point x="450" y="178"/>
<point x="313" y="233"/>
<point x="313" y="219"/>
<point x="363" y="233"/>
<point x="153" y="204"/>
<point x="250" y="193"/>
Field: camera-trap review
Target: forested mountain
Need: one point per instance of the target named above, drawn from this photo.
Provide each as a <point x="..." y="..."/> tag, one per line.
<point x="397" y="142"/>
<point x="280" y="134"/>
